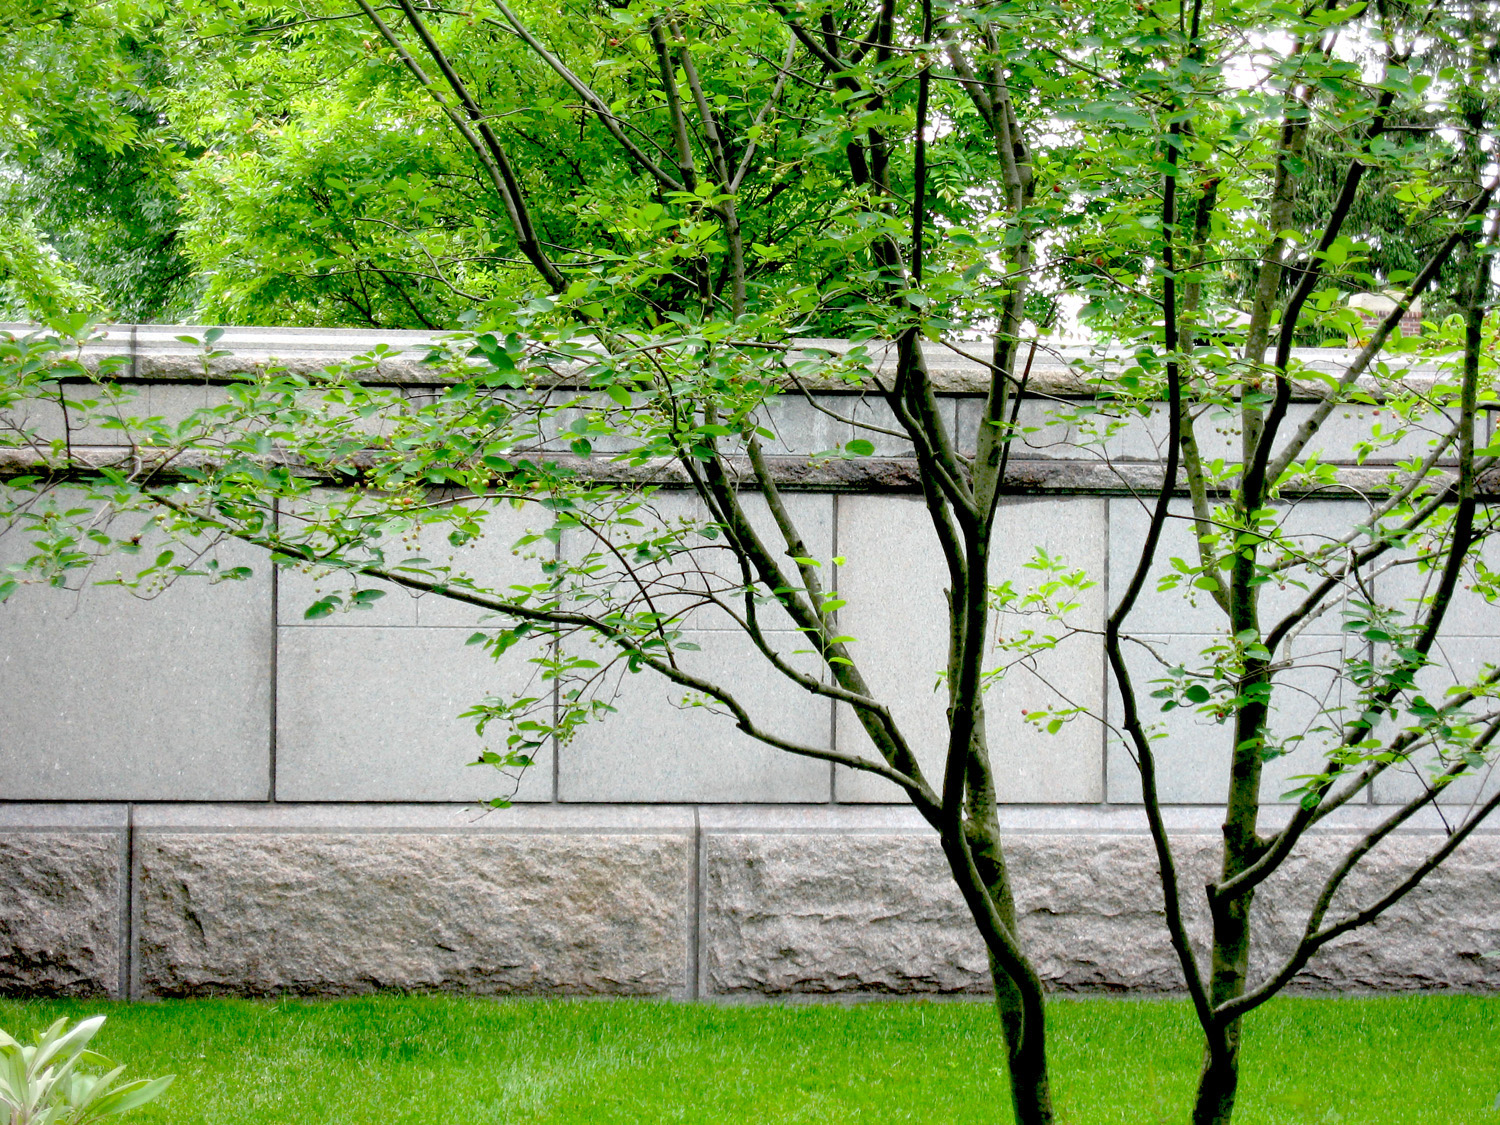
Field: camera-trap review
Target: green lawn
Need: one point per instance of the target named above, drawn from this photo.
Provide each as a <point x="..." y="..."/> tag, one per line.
<point x="449" y="1061"/>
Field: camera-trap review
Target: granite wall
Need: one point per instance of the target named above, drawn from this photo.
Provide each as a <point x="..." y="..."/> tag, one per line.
<point x="205" y="792"/>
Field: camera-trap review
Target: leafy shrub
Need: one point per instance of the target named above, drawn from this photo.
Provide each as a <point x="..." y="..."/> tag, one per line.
<point x="44" y="1083"/>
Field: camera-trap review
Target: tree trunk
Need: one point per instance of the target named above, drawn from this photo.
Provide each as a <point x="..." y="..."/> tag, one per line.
<point x="1020" y="1003"/>
<point x="1218" y="1081"/>
<point x="1231" y="966"/>
<point x="1026" y="1051"/>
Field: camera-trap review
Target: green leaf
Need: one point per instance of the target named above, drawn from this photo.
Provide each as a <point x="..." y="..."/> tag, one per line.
<point x="322" y="607"/>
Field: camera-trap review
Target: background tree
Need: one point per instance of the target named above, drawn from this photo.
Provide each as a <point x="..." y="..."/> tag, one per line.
<point x="732" y="177"/>
<point x="88" y="164"/>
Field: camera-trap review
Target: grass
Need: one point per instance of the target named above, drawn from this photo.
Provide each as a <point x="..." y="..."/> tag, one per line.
<point x="435" y="1060"/>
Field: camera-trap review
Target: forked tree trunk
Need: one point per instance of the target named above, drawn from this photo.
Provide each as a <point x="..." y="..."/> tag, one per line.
<point x="1220" y="1076"/>
<point x="1020" y="1002"/>
<point x="1026" y="1051"/>
<point x="1218" y="1081"/>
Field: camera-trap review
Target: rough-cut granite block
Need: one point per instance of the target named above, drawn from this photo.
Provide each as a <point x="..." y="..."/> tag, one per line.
<point x="60" y="913"/>
<point x="830" y="912"/>
<point x="338" y="913"/>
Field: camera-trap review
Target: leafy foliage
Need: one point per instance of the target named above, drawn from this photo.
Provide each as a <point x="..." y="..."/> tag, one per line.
<point x="88" y="192"/>
<point x="45" y="1083"/>
<point x="639" y="214"/>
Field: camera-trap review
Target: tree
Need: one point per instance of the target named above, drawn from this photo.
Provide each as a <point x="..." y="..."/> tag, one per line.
<point x="917" y="176"/>
<point x="88" y="169"/>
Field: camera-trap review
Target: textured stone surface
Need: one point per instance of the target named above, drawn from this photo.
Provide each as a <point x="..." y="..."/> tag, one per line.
<point x="373" y="714"/>
<point x="894" y="580"/>
<point x="60" y="913"/>
<point x="316" y="913"/>
<point x="877" y="913"/>
<point x="833" y="913"/>
<point x="660" y="745"/>
<point x="117" y="697"/>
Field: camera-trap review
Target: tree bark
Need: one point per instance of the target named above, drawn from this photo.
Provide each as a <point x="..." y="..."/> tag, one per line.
<point x="1025" y="1050"/>
<point x="1219" y="1080"/>
<point x="1020" y="1004"/>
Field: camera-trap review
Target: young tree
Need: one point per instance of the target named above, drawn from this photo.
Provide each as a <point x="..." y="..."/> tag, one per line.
<point x="917" y="176"/>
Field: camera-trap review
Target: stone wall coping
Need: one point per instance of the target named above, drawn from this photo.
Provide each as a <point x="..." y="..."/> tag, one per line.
<point x="733" y="819"/>
<point x="1081" y="820"/>
<point x="378" y="818"/>
<point x="1024" y="476"/>
<point x="155" y="354"/>
<point x="68" y="816"/>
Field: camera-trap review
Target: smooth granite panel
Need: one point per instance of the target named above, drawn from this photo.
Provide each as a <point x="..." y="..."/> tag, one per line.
<point x="1406" y="588"/>
<point x="833" y="912"/>
<point x="873" y="420"/>
<point x="1460" y="660"/>
<point x="594" y="417"/>
<point x="805" y="424"/>
<point x="1309" y="524"/>
<point x="122" y="414"/>
<point x="893" y="581"/>
<point x="631" y="568"/>
<point x="663" y="744"/>
<point x="372" y="714"/>
<point x="800" y="425"/>
<point x="312" y="913"/>
<point x="490" y="560"/>
<point x="94" y="415"/>
<point x="1100" y="431"/>
<point x="113" y="696"/>
<point x="493" y="560"/>
<point x="1192" y="747"/>
<point x="60" y="919"/>
<point x="303" y="585"/>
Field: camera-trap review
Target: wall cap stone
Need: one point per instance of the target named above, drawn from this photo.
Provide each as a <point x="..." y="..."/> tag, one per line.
<point x="436" y="818"/>
<point x="63" y="816"/>
<point x="155" y="354"/>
